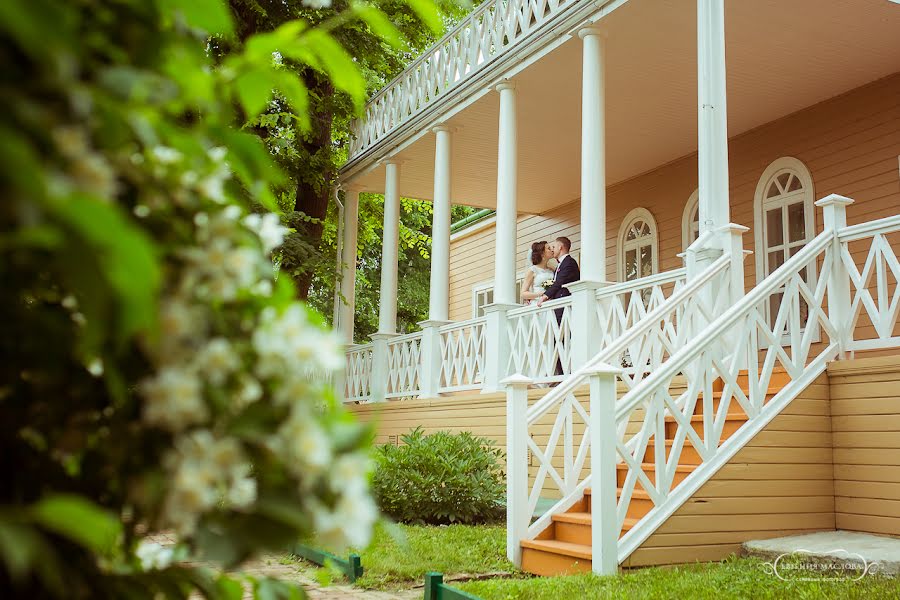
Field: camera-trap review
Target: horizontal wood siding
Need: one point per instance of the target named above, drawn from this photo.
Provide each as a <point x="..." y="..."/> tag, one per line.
<point x="850" y="144"/>
<point x="781" y="483"/>
<point x="865" y="408"/>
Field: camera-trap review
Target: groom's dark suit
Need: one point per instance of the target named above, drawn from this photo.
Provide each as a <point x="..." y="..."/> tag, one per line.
<point x="566" y="272"/>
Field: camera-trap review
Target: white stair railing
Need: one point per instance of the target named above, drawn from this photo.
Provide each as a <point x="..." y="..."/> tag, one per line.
<point x="547" y="429"/>
<point x="784" y="323"/>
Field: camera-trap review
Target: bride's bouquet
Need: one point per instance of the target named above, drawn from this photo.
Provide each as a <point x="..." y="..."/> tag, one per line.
<point x="548" y="284"/>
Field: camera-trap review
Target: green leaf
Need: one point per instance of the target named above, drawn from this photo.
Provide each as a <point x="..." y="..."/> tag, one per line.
<point x="297" y="95"/>
<point x="212" y="16"/>
<point x="229" y="588"/>
<point x="254" y="89"/>
<point x="427" y="11"/>
<point x="338" y="64"/>
<point x="80" y="520"/>
<point x="126" y="253"/>
<point x="380" y="24"/>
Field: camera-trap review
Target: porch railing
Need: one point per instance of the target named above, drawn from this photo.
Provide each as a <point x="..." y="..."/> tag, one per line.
<point x="358" y="373"/>
<point x="404" y="366"/>
<point x="462" y="356"/>
<point x="490" y="31"/>
<point x="540" y="340"/>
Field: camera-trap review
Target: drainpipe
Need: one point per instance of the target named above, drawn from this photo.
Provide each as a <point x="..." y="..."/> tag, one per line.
<point x="338" y="264"/>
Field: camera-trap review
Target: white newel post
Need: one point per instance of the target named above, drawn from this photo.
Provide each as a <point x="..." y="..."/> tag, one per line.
<point x="496" y="323"/>
<point x="348" y="266"/>
<point x="712" y="152"/>
<point x="387" y="309"/>
<point x="834" y="209"/>
<point x="439" y="297"/>
<point x="604" y="522"/>
<point x="517" y="517"/>
<point x="593" y="198"/>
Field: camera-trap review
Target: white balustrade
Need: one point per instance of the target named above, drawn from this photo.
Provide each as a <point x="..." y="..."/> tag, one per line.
<point x="540" y="339"/>
<point x="404" y="366"/>
<point x="490" y="31"/>
<point x="462" y="356"/>
<point x="358" y="373"/>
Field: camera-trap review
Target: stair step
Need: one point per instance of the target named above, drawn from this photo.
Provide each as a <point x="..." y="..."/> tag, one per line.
<point x="681" y="471"/>
<point x="689" y="455"/>
<point x="733" y="422"/>
<point x="778" y="380"/>
<point x="575" y="527"/>
<point x="553" y="557"/>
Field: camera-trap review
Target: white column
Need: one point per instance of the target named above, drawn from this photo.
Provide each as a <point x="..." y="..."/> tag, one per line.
<point x="439" y="299"/>
<point x="390" y="249"/>
<point x="834" y="208"/>
<point x="346" y="308"/>
<point x="712" y="154"/>
<point x="593" y="156"/>
<point x="507" y="213"/>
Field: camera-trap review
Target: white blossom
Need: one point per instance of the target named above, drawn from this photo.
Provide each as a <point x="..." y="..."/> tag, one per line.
<point x="173" y="399"/>
<point x="317" y="4"/>
<point x="269" y="229"/>
<point x="218" y="153"/>
<point x="153" y="556"/>
<point x="242" y="492"/>
<point x="166" y="155"/>
<point x="217" y="360"/>
<point x="307" y="447"/>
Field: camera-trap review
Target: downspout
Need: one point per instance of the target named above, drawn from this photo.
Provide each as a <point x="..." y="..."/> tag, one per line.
<point x="335" y="319"/>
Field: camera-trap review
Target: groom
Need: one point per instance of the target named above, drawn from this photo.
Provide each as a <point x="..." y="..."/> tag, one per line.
<point x="567" y="271"/>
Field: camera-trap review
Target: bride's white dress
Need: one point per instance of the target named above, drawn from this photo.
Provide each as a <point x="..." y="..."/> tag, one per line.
<point x="540" y="276"/>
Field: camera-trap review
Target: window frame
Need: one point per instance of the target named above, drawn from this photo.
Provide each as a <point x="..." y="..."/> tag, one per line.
<point x="687" y="223"/>
<point x="635" y="214"/>
<point x="484" y="286"/>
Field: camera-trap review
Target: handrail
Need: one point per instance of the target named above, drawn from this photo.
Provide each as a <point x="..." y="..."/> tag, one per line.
<point x="404" y="338"/>
<point x="569" y="384"/>
<point x="461" y="324"/>
<point x="637" y="284"/>
<point x="864" y="230"/>
<point x="533" y="308"/>
<point x="763" y="290"/>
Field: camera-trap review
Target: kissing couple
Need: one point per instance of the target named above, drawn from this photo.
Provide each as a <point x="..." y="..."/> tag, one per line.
<point x="543" y="283"/>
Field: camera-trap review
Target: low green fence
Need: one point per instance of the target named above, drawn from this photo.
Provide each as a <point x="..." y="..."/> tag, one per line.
<point x="436" y="589"/>
<point x="350" y="566"/>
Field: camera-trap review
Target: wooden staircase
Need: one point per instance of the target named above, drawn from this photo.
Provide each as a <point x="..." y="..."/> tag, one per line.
<point x="565" y="545"/>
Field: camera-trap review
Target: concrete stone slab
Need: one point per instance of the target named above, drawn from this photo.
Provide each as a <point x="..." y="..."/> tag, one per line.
<point x="851" y="546"/>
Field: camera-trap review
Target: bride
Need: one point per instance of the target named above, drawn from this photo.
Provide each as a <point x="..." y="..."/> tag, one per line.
<point x="539" y="273"/>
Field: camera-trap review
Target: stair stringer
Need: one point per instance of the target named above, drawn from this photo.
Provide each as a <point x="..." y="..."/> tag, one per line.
<point x="653" y="520"/>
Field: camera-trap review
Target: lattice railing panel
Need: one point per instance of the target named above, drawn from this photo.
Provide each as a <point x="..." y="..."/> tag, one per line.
<point x="404" y="366"/>
<point x="540" y="340"/>
<point x="462" y="356"/>
<point x="358" y="373"/>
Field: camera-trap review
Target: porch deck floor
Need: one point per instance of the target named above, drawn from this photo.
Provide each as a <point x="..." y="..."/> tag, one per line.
<point x="880" y="553"/>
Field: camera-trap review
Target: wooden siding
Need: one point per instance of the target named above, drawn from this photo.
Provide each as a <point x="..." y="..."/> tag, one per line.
<point x="780" y="483"/>
<point x="865" y="408"/>
<point x="850" y="144"/>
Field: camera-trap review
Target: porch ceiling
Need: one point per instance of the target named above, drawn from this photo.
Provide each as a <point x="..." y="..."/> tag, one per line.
<point x="781" y="57"/>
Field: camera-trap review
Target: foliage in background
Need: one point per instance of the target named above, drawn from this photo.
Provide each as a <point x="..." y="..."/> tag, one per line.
<point x="414" y="268"/>
<point x="311" y="158"/>
<point x="440" y="478"/>
<point x="153" y="376"/>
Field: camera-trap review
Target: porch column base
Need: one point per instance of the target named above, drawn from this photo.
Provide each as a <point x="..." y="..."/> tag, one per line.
<point x="431" y="357"/>
<point x="497" y="348"/>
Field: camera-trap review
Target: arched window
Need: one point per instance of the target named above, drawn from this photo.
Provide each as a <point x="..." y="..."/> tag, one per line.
<point x="784" y="221"/>
<point x="784" y="214"/>
<point x="690" y="220"/>
<point x="638" y="246"/>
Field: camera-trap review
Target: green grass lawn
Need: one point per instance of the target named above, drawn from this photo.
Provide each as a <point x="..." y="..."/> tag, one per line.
<point x="400" y="555"/>
<point x="733" y="578"/>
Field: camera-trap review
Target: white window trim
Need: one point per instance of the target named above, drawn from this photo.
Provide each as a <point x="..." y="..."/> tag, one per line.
<point x="809" y="208"/>
<point x="635" y="214"/>
<point x="487" y="285"/>
<point x="686" y="223"/>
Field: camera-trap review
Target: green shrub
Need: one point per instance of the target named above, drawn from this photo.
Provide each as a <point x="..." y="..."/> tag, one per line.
<point x="440" y="478"/>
